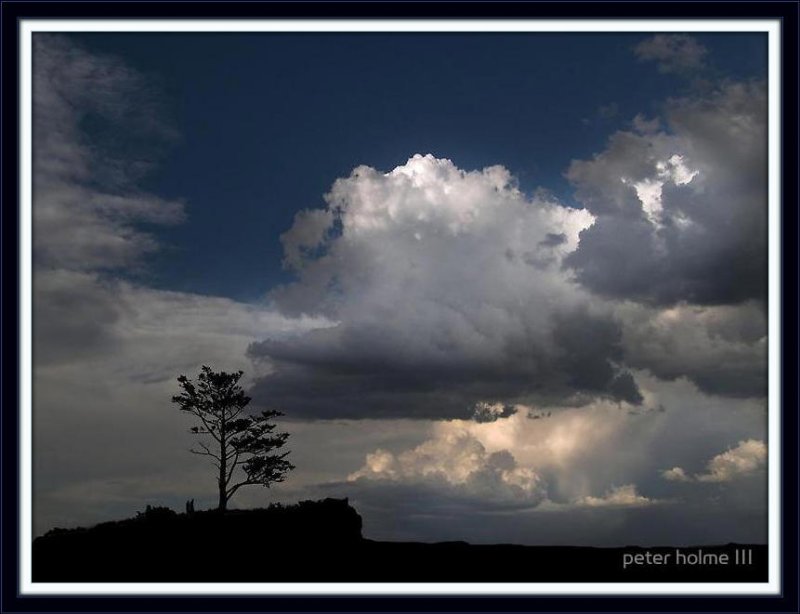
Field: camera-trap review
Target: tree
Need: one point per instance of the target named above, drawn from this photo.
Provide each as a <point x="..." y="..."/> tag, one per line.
<point x="243" y="447"/>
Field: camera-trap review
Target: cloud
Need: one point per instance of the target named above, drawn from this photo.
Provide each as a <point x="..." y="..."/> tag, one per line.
<point x="745" y="459"/>
<point x="619" y="496"/>
<point x="447" y="289"/>
<point x="722" y="349"/>
<point x="490" y="412"/>
<point x="88" y="212"/>
<point x="458" y="462"/>
<point x="87" y="209"/>
<point x="562" y="457"/>
<point x="676" y="474"/>
<point x="608" y="111"/>
<point x="680" y="215"/>
<point x="674" y="53"/>
<point x="599" y="474"/>
<point x="669" y="256"/>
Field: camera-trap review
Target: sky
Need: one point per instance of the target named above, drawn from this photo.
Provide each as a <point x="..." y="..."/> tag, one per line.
<point x="505" y="288"/>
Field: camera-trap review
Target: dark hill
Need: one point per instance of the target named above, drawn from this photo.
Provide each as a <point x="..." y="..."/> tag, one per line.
<point x="320" y="541"/>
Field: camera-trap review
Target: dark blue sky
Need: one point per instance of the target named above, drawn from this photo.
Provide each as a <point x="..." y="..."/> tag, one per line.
<point x="268" y="121"/>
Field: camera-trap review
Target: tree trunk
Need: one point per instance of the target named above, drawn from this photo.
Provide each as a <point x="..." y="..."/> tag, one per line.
<point x="223" y="470"/>
<point x="223" y="499"/>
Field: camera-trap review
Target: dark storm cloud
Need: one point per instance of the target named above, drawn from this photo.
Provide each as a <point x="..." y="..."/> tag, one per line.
<point x="369" y="390"/>
<point x="681" y="215"/>
<point x="591" y="346"/>
<point x="722" y="350"/>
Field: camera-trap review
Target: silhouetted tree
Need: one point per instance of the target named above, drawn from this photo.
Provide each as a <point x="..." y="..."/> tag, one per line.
<point x="240" y="445"/>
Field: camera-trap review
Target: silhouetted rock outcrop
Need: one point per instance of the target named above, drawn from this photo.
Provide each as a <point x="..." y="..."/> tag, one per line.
<point x="320" y="541"/>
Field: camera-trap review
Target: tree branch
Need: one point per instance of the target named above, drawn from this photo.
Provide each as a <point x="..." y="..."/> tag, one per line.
<point x="205" y="423"/>
<point x="199" y="453"/>
<point x="229" y="493"/>
<point x="207" y="451"/>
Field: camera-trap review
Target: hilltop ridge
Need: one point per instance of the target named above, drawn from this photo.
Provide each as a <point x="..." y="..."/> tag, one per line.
<point x="321" y="541"/>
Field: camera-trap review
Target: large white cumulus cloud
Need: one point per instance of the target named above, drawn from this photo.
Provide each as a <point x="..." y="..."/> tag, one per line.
<point x="433" y="229"/>
<point x="448" y="289"/>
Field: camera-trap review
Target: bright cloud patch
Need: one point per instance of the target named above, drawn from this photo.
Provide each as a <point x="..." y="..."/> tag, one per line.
<point x="619" y="496"/>
<point x="527" y="456"/>
<point x="676" y="474"/>
<point x="649" y="190"/>
<point x="457" y="459"/>
<point x="745" y="459"/>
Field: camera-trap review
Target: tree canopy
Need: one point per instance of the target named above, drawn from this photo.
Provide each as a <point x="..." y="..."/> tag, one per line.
<point x="243" y="447"/>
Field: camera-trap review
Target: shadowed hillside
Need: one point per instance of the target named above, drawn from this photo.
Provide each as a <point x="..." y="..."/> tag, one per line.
<point x="320" y="541"/>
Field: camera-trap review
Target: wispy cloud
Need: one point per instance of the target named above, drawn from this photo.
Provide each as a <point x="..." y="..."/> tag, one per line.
<point x="674" y="53"/>
<point x="88" y="211"/>
<point x="618" y="496"/>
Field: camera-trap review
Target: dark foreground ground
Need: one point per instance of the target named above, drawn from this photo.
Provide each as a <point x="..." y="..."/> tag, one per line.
<point x="320" y="541"/>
